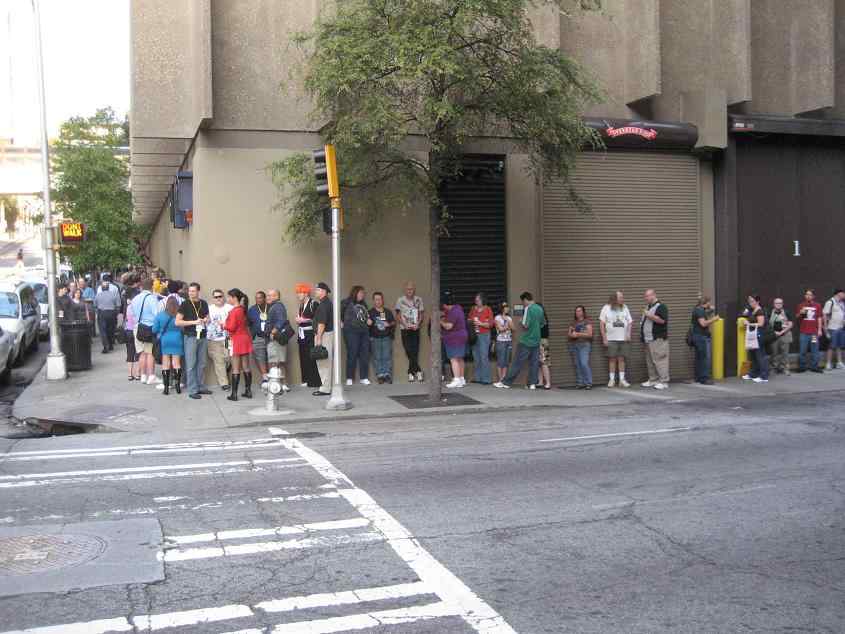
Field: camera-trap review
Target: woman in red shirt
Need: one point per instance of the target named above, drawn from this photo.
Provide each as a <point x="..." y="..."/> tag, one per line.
<point x="238" y="328"/>
<point x="481" y="318"/>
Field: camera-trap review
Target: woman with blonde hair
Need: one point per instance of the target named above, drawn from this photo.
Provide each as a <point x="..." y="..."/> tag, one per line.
<point x="305" y="336"/>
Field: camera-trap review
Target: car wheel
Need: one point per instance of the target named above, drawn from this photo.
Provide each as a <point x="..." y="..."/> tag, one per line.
<point x="18" y="361"/>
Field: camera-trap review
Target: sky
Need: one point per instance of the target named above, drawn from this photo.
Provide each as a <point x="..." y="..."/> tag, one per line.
<point x="86" y="63"/>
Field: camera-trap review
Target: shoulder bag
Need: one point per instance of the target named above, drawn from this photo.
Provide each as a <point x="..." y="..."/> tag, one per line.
<point x="145" y="332"/>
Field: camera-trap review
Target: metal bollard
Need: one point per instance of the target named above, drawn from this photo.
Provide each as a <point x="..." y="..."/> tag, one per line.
<point x="717" y="361"/>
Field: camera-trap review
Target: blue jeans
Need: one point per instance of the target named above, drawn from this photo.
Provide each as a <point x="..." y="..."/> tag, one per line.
<point x="581" y="358"/>
<point x="523" y="354"/>
<point x="382" y="355"/>
<point x="481" y="358"/>
<point x="807" y="345"/>
<point x="196" y="354"/>
<point x="759" y="359"/>
<point x="357" y="353"/>
<point x="503" y="353"/>
<point x="702" y="357"/>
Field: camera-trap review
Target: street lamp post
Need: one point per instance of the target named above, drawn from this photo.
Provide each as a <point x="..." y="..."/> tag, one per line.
<point x="56" y="363"/>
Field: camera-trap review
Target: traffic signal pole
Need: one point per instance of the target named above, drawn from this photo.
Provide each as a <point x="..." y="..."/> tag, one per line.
<point x="325" y="172"/>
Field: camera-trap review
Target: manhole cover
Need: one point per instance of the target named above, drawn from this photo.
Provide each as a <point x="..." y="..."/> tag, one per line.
<point x="29" y="554"/>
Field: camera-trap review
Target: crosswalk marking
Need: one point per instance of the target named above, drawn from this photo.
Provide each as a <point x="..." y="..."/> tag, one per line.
<point x="247" y="533"/>
<point x="349" y="597"/>
<point x="369" y="619"/>
<point x="255" y="443"/>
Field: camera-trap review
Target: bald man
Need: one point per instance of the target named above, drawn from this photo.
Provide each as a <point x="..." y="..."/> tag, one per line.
<point x="277" y="317"/>
<point x="654" y="329"/>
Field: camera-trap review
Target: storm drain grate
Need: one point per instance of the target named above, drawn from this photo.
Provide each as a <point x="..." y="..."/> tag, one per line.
<point x="420" y="401"/>
<point x="29" y="554"/>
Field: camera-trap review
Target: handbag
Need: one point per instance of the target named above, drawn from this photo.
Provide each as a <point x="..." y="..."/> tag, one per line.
<point x="283" y="336"/>
<point x="751" y="341"/>
<point x="145" y="333"/>
<point x="318" y="353"/>
<point x="472" y="333"/>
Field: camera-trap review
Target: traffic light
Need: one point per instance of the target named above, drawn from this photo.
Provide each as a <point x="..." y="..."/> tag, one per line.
<point x="325" y="172"/>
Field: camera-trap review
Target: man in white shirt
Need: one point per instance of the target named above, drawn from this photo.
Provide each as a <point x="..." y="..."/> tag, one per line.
<point x="834" y="325"/>
<point x="615" y="324"/>
<point x="410" y="312"/>
<point x="217" y="354"/>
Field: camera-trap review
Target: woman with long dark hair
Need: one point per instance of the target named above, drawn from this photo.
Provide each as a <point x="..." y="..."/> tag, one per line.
<point x="172" y="345"/>
<point x="356" y="332"/>
<point x="580" y="345"/>
<point x="754" y="330"/>
<point x="237" y="326"/>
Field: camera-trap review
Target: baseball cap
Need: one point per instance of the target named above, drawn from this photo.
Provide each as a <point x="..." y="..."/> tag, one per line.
<point x="324" y="286"/>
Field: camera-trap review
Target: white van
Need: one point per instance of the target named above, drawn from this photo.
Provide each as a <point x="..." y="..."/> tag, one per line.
<point x="20" y="317"/>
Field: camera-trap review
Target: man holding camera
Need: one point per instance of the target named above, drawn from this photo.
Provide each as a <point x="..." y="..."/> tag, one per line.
<point x="811" y="325"/>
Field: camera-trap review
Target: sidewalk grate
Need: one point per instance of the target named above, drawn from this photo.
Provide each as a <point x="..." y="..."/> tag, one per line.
<point x="420" y="401"/>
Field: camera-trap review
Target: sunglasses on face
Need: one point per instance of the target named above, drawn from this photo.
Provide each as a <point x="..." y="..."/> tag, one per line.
<point x="218" y="297"/>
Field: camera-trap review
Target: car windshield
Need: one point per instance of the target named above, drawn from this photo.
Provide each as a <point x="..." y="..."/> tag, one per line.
<point x="40" y="293"/>
<point x="9" y="305"/>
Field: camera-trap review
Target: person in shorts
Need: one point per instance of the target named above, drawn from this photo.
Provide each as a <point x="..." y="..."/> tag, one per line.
<point x="615" y="325"/>
<point x="277" y="353"/>
<point x="504" y="340"/>
<point x="545" y="353"/>
<point x="834" y="325"/>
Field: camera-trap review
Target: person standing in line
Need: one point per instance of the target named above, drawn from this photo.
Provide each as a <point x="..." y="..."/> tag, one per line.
<point x="355" y="322"/>
<point x="129" y="324"/>
<point x="580" y="345"/>
<point x="545" y="352"/>
<point x="834" y="325"/>
<point x="158" y="283"/>
<point x="88" y="296"/>
<point x="145" y="308"/>
<point x="108" y="304"/>
<point x="324" y="327"/>
<point x="615" y="326"/>
<point x="237" y="325"/>
<point x="277" y="353"/>
<point x="756" y="326"/>
<point x="88" y="293"/>
<point x="654" y="333"/>
<point x="703" y="316"/>
<point x="217" y="352"/>
<point x="410" y="311"/>
<point x="781" y="323"/>
<point x="259" y="317"/>
<point x="528" y="348"/>
<point x="504" y="340"/>
<point x="810" y="328"/>
<point x="382" y="324"/>
<point x="305" y="336"/>
<point x="172" y="289"/>
<point x="172" y="346"/>
<point x="481" y="316"/>
<point x="192" y="317"/>
<point x="454" y="338"/>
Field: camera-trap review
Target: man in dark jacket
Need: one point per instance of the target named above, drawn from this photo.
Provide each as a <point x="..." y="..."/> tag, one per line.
<point x="277" y="320"/>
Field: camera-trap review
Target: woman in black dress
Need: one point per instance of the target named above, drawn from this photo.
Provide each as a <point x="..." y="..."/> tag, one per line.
<point x="305" y="337"/>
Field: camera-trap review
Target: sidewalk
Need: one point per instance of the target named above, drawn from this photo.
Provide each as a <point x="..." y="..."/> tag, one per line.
<point x="104" y="396"/>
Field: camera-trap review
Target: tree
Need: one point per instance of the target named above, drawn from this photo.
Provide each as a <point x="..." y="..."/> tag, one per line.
<point x="11" y="211"/>
<point x="386" y="74"/>
<point x="91" y="180"/>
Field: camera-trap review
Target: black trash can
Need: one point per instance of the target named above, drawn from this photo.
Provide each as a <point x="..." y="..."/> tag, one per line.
<point x="76" y="344"/>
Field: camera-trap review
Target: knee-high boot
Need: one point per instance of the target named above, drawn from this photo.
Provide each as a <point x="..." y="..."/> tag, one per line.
<point x="247" y="385"/>
<point x="165" y="374"/>
<point x="236" y="379"/>
<point x="178" y="382"/>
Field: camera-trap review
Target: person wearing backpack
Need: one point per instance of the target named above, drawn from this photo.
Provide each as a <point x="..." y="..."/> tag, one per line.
<point x="356" y="322"/>
<point x="172" y="345"/>
<point x="834" y="325"/>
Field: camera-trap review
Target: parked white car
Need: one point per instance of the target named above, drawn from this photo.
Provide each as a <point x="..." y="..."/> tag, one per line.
<point x="39" y="287"/>
<point x="7" y="346"/>
<point x="19" y="316"/>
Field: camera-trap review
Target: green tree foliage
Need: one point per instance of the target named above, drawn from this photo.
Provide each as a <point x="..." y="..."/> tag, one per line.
<point x="400" y="87"/>
<point x="10" y="211"/>
<point x="91" y="185"/>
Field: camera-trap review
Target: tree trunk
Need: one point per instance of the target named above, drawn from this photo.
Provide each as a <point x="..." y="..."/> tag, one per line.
<point x="435" y="391"/>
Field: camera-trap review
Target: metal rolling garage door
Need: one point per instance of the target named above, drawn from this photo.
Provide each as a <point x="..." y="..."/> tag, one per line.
<point x="642" y="231"/>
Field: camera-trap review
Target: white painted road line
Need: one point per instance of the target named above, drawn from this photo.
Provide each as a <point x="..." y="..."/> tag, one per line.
<point x="451" y="590"/>
<point x="623" y="434"/>
<point x="248" y="533"/>
<point x="256" y="548"/>
<point x="368" y="620"/>
<point x="345" y="598"/>
<point x="167" y="467"/>
<point x="249" y="468"/>
<point x="128" y="449"/>
<point x="150" y="622"/>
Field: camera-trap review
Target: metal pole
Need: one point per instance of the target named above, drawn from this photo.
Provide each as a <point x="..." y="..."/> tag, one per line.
<point x="56" y="365"/>
<point x="336" y="400"/>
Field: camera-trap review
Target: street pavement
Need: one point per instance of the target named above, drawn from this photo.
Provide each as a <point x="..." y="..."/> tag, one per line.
<point x="650" y="512"/>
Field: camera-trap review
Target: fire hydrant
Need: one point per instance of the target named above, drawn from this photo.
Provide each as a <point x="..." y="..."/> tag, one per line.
<point x="273" y="389"/>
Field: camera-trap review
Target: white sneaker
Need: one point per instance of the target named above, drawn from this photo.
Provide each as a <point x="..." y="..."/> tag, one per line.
<point x="454" y="383"/>
<point x="153" y="380"/>
<point x="661" y="386"/>
<point x="502" y="385"/>
<point x="160" y="386"/>
<point x="411" y="378"/>
<point x="420" y="377"/>
<point x="286" y="387"/>
<point x="348" y="381"/>
<point x="364" y="381"/>
<point x="624" y="383"/>
<point x="532" y="387"/>
<point x="828" y="367"/>
<point x="303" y="385"/>
<point x="746" y="377"/>
<point x="759" y="380"/>
<point x="611" y="383"/>
<point x="463" y="383"/>
<point x="144" y="379"/>
<point x="840" y="366"/>
<point x="648" y="383"/>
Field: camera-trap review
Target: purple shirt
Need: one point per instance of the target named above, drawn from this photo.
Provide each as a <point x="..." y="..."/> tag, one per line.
<point x="457" y="336"/>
